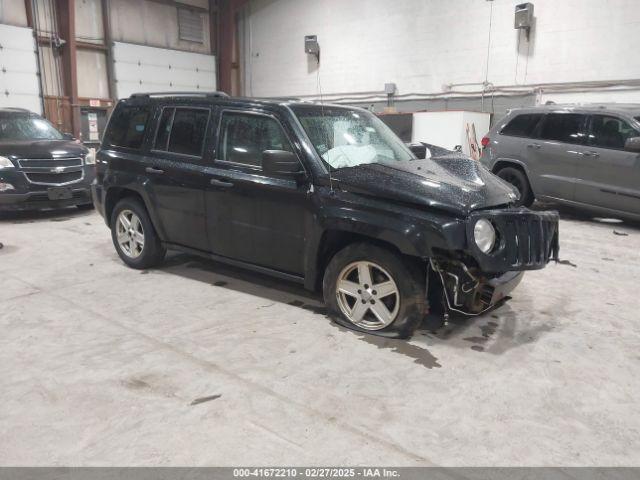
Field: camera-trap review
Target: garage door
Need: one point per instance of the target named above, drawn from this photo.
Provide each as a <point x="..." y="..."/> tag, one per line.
<point x="19" y="86"/>
<point x="148" y="69"/>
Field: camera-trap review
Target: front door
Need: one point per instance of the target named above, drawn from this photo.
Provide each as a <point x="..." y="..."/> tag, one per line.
<point x="175" y="170"/>
<point x="554" y="155"/>
<point x="251" y="216"/>
<point x="609" y="176"/>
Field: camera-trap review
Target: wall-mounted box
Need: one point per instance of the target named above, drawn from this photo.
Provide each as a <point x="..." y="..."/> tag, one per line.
<point x="524" y="16"/>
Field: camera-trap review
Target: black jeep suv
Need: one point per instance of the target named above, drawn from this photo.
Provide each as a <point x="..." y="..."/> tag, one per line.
<point x="39" y="166"/>
<point x="324" y="195"/>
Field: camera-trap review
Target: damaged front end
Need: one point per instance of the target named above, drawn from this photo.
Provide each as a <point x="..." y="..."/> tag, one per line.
<point x="476" y="280"/>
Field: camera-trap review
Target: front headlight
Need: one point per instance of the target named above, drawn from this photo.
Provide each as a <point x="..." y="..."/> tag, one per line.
<point x="90" y="159"/>
<point x="5" y="163"/>
<point x="484" y="235"/>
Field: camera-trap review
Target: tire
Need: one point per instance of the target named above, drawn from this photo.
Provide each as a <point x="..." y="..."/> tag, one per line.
<point x="518" y="179"/>
<point x="143" y="249"/>
<point x="406" y="307"/>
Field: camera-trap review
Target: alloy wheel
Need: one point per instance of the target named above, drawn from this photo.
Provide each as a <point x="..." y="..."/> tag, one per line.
<point x="130" y="234"/>
<point x="367" y="295"/>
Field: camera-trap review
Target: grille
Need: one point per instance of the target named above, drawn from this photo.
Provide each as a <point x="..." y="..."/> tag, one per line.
<point x="527" y="240"/>
<point x="54" y="178"/>
<point x="49" y="162"/>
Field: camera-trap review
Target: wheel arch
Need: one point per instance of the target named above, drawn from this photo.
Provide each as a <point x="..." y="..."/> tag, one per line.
<point x="334" y="240"/>
<point x="517" y="164"/>
<point x="115" y="194"/>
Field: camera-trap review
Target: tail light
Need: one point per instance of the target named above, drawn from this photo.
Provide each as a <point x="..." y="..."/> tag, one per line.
<point x="485" y="141"/>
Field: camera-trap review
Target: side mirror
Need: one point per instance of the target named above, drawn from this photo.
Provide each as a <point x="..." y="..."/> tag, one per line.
<point x="632" y="144"/>
<point x="418" y="149"/>
<point x="68" y="136"/>
<point x="280" y="162"/>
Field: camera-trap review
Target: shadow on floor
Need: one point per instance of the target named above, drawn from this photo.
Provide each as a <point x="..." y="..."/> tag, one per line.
<point x="56" y="215"/>
<point x="499" y="330"/>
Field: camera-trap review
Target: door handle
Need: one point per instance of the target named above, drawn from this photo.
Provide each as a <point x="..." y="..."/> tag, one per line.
<point x="591" y="154"/>
<point x="156" y="171"/>
<point x="533" y="145"/>
<point x="220" y="183"/>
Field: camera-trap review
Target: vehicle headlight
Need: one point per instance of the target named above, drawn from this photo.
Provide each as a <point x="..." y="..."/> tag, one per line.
<point x="5" y="163"/>
<point x="484" y="235"/>
<point x="90" y="159"/>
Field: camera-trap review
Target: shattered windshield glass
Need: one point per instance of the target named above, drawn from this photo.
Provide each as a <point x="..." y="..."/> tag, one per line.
<point x="347" y="138"/>
<point x="19" y="128"/>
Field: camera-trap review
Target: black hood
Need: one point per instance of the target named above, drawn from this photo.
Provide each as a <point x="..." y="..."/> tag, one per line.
<point x="448" y="181"/>
<point x="42" y="149"/>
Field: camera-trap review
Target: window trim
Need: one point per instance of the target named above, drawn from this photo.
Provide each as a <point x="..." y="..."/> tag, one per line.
<point x="173" y="116"/>
<point x="257" y="168"/>
<point x="108" y="129"/>
<point x="612" y="115"/>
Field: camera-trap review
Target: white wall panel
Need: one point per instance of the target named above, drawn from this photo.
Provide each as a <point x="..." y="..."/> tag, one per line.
<point x="423" y="44"/>
<point x="19" y="85"/>
<point x="13" y="12"/>
<point x="148" y="69"/>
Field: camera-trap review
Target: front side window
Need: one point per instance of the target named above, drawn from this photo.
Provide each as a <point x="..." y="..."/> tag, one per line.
<point x="523" y="125"/>
<point x="348" y="138"/>
<point x="244" y="137"/>
<point x="127" y="127"/>
<point x="563" y="127"/>
<point x="610" y="132"/>
<point x="19" y="128"/>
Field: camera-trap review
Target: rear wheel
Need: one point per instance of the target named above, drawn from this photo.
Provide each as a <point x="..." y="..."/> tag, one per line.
<point x="518" y="179"/>
<point x="133" y="235"/>
<point x="370" y="289"/>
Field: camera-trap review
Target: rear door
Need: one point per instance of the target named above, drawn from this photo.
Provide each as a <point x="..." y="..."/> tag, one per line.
<point x="254" y="217"/>
<point x="175" y="170"/>
<point x="609" y="176"/>
<point x="553" y="154"/>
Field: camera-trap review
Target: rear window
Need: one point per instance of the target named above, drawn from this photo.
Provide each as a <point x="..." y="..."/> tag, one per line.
<point x="127" y="127"/>
<point x="523" y="125"/>
<point x="182" y="130"/>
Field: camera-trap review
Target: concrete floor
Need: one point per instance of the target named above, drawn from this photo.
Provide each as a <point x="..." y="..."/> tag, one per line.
<point x="200" y="364"/>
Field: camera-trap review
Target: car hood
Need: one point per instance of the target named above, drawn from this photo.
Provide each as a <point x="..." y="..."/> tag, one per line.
<point x="42" y="149"/>
<point x="448" y="181"/>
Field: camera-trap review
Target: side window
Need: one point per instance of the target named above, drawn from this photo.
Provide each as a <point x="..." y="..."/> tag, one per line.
<point x="610" y="132"/>
<point x="244" y="137"/>
<point x="523" y="125"/>
<point x="127" y="127"/>
<point x="563" y="127"/>
<point x="188" y="130"/>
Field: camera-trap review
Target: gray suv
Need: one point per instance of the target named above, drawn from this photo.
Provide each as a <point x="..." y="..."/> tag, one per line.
<point x="586" y="156"/>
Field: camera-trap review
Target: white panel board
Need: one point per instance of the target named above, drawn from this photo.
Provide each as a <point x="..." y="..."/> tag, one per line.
<point x="147" y="69"/>
<point x="19" y="86"/>
<point x="449" y="129"/>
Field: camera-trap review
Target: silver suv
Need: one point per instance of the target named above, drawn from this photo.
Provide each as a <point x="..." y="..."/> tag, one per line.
<point x="587" y="156"/>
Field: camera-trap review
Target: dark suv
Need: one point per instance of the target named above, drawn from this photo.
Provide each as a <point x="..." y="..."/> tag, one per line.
<point x="39" y="166"/>
<point x="324" y="195"/>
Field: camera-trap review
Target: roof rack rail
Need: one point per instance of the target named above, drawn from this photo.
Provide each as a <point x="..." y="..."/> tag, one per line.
<point x="179" y="94"/>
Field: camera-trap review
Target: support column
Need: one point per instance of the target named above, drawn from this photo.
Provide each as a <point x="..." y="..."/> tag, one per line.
<point x="66" y="10"/>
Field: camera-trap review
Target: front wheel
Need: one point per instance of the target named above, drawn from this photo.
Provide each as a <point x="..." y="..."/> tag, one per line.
<point x="371" y="289"/>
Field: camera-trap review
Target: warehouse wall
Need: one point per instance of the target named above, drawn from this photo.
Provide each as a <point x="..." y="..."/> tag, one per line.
<point x="154" y="24"/>
<point x="423" y="44"/>
<point x="13" y="12"/>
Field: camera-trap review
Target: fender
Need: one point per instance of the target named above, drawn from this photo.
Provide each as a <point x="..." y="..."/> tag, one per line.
<point x="137" y="184"/>
<point x="415" y="236"/>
